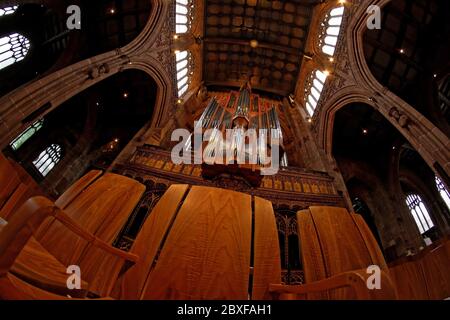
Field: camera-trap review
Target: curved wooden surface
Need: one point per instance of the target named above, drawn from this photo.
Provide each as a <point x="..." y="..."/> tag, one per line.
<point x="425" y="276"/>
<point x="148" y="243"/>
<point x="333" y="242"/>
<point x="207" y="252"/>
<point x="267" y="261"/>
<point x="23" y="256"/>
<point x="196" y="244"/>
<point x="16" y="186"/>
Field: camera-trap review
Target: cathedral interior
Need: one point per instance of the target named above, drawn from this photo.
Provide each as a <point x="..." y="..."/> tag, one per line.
<point x="224" y="149"/>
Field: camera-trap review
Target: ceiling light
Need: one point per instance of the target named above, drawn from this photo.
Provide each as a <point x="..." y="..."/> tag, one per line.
<point x="309" y="120"/>
<point x="402" y="51"/>
<point x="125" y="95"/>
<point x="177" y="51"/>
<point x="116" y="140"/>
<point x="112" y="11"/>
<point x="435" y="75"/>
<point x="331" y="59"/>
<point x="365" y="131"/>
<point x="179" y="101"/>
<point x="254" y="43"/>
<point x="326" y="72"/>
<point x="175" y="37"/>
<point x="342" y="1"/>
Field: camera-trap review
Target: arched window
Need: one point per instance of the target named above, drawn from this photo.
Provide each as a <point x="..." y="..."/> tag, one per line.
<point x="443" y="191"/>
<point x="314" y="89"/>
<point x="27" y="134"/>
<point x="331" y="28"/>
<point x="13" y="48"/>
<point x="284" y="160"/>
<point x="419" y="212"/>
<point x="48" y="159"/>
<point x="183" y="15"/>
<point x="8" y="10"/>
<point x="183" y="61"/>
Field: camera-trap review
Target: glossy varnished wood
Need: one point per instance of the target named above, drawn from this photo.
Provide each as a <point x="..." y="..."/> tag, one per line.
<point x="16" y="186"/>
<point x="207" y="252"/>
<point x="148" y="242"/>
<point x="39" y="268"/>
<point x="77" y="188"/>
<point x="343" y="247"/>
<point x="102" y="209"/>
<point x="9" y="180"/>
<point x="333" y="242"/>
<point x="267" y="264"/>
<point x="376" y="255"/>
<point x="424" y="276"/>
<point x="21" y="255"/>
<point x="310" y="250"/>
<point x="21" y="194"/>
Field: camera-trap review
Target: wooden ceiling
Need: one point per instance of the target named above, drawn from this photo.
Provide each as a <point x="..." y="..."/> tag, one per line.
<point x="411" y="47"/>
<point x="280" y="29"/>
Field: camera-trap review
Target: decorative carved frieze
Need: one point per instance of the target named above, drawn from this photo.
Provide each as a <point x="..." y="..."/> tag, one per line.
<point x="291" y="186"/>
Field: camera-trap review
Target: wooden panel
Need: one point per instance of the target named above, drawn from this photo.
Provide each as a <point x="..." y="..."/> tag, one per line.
<point x="342" y="246"/>
<point x="20" y="195"/>
<point x="311" y="253"/>
<point x="436" y="269"/>
<point x="75" y="190"/>
<point x="101" y="270"/>
<point x="374" y="250"/>
<point x="409" y="281"/>
<point x="148" y="241"/>
<point x="12" y="288"/>
<point x="207" y="252"/>
<point x="39" y="268"/>
<point x="9" y="180"/>
<point x="267" y="263"/>
<point x="424" y="276"/>
<point x="101" y="210"/>
<point x="310" y="250"/>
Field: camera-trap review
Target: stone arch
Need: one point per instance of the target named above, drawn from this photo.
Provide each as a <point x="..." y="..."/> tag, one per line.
<point x="426" y="138"/>
<point x="40" y="97"/>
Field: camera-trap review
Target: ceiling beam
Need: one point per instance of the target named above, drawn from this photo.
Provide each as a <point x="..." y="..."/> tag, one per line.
<point x="238" y="84"/>
<point x="263" y="45"/>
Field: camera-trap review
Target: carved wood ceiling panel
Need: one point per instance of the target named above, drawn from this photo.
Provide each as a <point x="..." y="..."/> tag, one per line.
<point x="232" y="28"/>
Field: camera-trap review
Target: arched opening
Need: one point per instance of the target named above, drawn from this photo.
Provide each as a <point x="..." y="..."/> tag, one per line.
<point x="48" y="159"/>
<point x="105" y="25"/>
<point x="90" y="129"/>
<point x="375" y="160"/>
<point x="13" y="48"/>
<point x="443" y="191"/>
<point x="419" y="185"/>
<point x="331" y="30"/>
